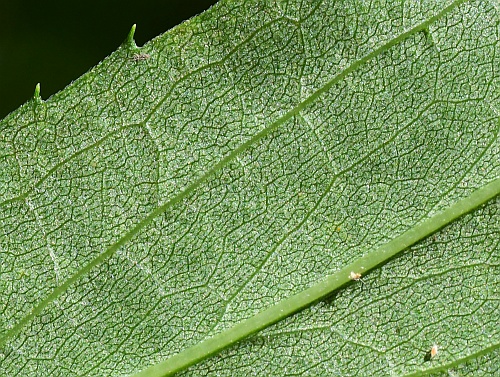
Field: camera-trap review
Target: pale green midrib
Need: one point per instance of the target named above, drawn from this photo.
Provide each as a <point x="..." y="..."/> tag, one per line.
<point x="223" y="162"/>
<point x="293" y="304"/>
<point x="455" y="363"/>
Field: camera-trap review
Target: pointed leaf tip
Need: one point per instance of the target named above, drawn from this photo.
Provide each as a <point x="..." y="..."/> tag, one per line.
<point x="36" y="95"/>
<point x="130" y="38"/>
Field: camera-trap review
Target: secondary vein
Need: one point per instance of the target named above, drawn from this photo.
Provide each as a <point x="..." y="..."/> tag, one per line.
<point x="112" y="249"/>
<point x="293" y="304"/>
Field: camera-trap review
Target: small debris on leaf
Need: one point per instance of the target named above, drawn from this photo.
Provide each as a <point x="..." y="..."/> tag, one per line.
<point x="140" y="57"/>
<point x="432" y="353"/>
<point x="354" y="275"/>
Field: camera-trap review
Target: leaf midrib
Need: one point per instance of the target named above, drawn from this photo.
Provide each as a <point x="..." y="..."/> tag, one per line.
<point x="112" y="249"/>
<point x="321" y="289"/>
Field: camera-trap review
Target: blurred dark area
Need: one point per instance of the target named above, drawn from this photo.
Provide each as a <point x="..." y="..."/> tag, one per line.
<point x="53" y="42"/>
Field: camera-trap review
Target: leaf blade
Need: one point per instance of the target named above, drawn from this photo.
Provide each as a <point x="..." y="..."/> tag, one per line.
<point x="338" y="182"/>
<point x="319" y="291"/>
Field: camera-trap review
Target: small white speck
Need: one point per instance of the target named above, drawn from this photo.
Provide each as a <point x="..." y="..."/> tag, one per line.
<point x="434" y="350"/>
<point x="354" y="275"/>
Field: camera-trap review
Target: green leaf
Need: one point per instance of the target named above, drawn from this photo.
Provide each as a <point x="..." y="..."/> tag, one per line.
<point x="182" y="196"/>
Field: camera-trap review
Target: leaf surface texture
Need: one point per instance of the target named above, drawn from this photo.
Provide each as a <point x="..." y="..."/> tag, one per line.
<point x="256" y="149"/>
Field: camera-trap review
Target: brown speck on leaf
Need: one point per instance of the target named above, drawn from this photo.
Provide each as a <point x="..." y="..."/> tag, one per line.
<point x="140" y="57"/>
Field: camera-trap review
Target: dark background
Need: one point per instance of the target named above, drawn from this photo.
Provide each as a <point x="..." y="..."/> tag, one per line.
<point x="53" y="42"/>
